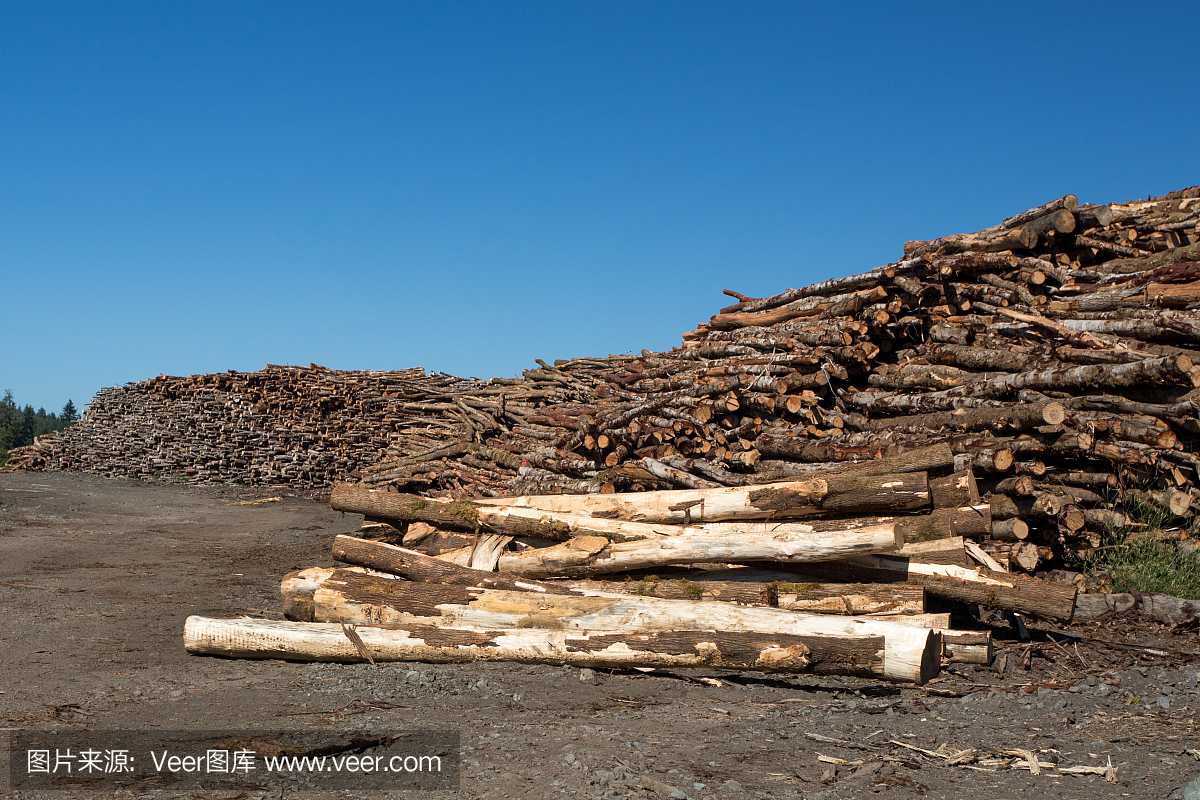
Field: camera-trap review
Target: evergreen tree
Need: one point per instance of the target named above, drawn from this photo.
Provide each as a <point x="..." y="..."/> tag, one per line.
<point x="19" y="425"/>
<point x="28" y="426"/>
<point x="10" y="422"/>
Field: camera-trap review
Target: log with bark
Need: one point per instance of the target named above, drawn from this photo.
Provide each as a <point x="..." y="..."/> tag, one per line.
<point x="300" y="641"/>
<point x="353" y="597"/>
<point x="838" y="493"/>
<point x="876" y="599"/>
<point x="999" y="590"/>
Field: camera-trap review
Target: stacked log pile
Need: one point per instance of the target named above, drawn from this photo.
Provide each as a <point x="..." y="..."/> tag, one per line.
<point x="305" y="427"/>
<point x="1056" y="355"/>
<point x="987" y="403"/>
<point x="717" y="577"/>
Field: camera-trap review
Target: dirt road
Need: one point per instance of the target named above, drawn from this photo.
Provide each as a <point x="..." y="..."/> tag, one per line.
<point x="97" y="577"/>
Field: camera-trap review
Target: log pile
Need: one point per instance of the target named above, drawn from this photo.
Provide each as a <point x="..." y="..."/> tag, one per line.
<point x="1056" y="356"/>
<point x="298" y="426"/>
<point x="785" y="490"/>
<point x="716" y="577"/>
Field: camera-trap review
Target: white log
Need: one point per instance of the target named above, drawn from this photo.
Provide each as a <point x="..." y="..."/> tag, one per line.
<point x="256" y="638"/>
<point x="405" y="602"/>
<point x="593" y="555"/>
<point x="766" y="501"/>
<point x="619" y="530"/>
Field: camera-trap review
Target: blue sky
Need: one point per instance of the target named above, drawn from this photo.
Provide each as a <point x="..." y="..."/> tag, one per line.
<point x="195" y="187"/>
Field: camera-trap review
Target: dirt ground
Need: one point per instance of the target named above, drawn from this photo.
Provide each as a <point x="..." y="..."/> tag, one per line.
<point x="97" y="577"/>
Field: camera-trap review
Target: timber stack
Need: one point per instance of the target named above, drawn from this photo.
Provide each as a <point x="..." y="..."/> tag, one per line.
<point x="710" y="578"/>
<point x="1052" y="359"/>
<point x="828" y="574"/>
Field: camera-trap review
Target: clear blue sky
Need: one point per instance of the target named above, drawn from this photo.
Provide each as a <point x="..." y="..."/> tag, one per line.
<point x="195" y="187"/>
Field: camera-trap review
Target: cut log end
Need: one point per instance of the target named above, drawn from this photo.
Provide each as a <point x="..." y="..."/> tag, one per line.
<point x="1054" y="413"/>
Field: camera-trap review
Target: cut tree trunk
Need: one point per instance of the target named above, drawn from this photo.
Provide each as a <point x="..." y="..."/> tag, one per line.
<point x="840" y="493"/>
<point x="924" y="459"/>
<point x="591" y="555"/>
<point x="355" y="598"/>
<point x="951" y="551"/>
<point x="1165" y="370"/>
<point x="1068" y="203"/>
<point x="954" y="491"/>
<point x="1162" y="607"/>
<point x="968" y="647"/>
<point x="1010" y="530"/>
<point x="610" y="514"/>
<point x="937" y="523"/>
<point x="972" y="521"/>
<point x="415" y="566"/>
<point x="1015" y="418"/>
<point x="984" y="587"/>
<point x="673" y="588"/>
<point x="1021" y="238"/>
<point x="882" y="599"/>
<point x="299" y="641"/>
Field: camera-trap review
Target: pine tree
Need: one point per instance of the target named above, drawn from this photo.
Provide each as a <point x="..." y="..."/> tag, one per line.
<point x="28" y="427"/>
<point x="69" y="414"/>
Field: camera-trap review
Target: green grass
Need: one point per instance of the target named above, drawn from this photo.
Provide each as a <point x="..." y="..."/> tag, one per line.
<point x="1130" y="561"/>
<point x="1144" y="565"/>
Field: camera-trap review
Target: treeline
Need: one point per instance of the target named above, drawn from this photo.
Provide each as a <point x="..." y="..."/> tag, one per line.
<point x="19" y="425"/>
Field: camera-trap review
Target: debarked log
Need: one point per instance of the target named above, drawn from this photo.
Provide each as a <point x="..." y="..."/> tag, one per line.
<point x="610" y="515"/>
<point x="667" y="587"/>
<point x="960" y="646"/>
<point x="1001" y="590"/>
<point x="355" y="598"/>
<point x="585" y="556"/>
<point x="876" y="599"/>
<point x="841" y="493"/>
<point x="936" y="523"/>
<point x="593" y="555"/>
<point x="301" y="641"/>
<point x="299" y="586"/>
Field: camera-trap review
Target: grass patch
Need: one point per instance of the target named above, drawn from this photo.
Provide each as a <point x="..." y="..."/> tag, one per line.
<point x="1130" y="559"/>
<point x="1138" y="564"/>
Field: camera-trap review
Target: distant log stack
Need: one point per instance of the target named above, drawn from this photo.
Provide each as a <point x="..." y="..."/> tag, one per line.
<point x="1054" y="356"/>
